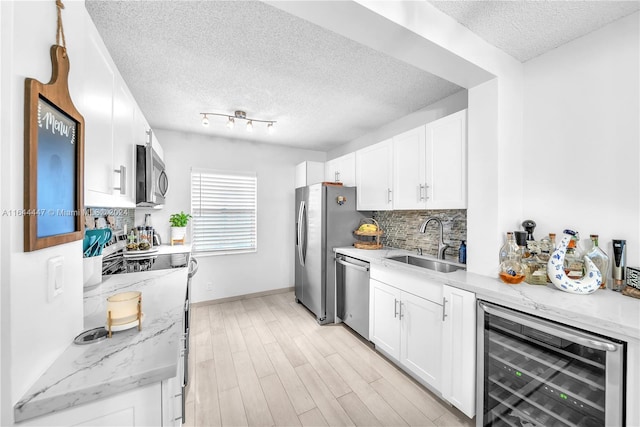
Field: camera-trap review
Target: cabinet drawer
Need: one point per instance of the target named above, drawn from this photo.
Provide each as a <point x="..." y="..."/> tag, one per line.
<point x="412" y="283"/>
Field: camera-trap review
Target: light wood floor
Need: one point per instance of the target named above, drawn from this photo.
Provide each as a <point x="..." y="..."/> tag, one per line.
<point x="266" y="362"/>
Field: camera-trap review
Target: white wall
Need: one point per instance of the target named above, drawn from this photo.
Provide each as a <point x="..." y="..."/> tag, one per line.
<point x="444" y="107"/>
<point x="34" y="331"/>
<point x="271" y="267"/>
<point x="581" y="130"/>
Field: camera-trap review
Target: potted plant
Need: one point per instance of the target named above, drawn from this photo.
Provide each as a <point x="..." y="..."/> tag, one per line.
<point x="179" y="223"/>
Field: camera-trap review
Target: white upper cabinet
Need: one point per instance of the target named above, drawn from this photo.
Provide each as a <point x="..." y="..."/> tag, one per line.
<point x="430" y="165"/>
<point x="374" y="178"/>
<point x="341" y="169"/>
<point x="114" y="124"/>
<point x="123" y="146"/>
<point x="446" y="162"/>
<point x="409" y="180"/>
<point x="308" y="173"/>
<point x="97" y="110"/>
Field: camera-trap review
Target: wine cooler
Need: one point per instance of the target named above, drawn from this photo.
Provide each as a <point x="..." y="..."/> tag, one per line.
<point x="534" y="372"/>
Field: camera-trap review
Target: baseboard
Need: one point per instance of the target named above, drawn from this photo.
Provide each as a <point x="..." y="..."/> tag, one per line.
<point x="241" y="297"/>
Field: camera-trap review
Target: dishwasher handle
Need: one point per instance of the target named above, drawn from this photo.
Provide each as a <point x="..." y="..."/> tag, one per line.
<point x="350" y="265"/>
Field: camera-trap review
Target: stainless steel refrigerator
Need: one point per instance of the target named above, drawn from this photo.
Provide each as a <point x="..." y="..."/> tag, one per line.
<point x="325" y="218"/>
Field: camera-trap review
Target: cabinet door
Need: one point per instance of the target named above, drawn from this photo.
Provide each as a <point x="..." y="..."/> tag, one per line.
<point x="347" y="169"/>
<point x="123" y="146"/>
<point x="409" y="190"/>
<point x="331" y="170"/>
<point x="446" y="162"/>
<point x="459" y="349"/>
<point x="421" y="336"/>
<point x="98" y="117"/>
<point x="384" y="318"/>
<point x="374" y="177"/>
<point x="308" y="173"/>
<point x="137" y="407"/>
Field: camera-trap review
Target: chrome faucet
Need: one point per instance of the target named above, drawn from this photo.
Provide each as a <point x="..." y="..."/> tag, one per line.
<point x="442" y="246"/>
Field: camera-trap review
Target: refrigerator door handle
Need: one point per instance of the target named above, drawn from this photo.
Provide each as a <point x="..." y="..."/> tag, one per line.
<point x="300" y="235"/>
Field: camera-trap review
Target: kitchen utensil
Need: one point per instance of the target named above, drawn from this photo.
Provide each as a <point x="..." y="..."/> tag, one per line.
<point x="529" y="225"/>
<point x="619" y="262"/>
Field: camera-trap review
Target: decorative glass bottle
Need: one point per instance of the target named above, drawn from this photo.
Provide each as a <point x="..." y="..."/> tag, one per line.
<point x="511" y="269"/>
<point x="600" y="259"/>
<point x="509" y="245"/>
<point x="573" y="265"/>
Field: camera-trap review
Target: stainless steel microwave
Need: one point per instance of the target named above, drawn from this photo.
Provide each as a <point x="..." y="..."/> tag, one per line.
<point x="152" y="182"/>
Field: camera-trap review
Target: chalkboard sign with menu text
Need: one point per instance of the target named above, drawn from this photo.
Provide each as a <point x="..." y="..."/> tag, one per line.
<point x="53" y="161"/>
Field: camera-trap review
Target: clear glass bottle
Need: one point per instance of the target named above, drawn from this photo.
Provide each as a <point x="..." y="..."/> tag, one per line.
<point x="573" y="265"/>
<point x="600" y="259"/>
<point x="552" y="237"/>
<point x="511" y="268"/>
<point x="509" y="246"/>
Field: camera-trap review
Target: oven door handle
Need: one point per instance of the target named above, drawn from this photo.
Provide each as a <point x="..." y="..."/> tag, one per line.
<point x="193" y="267"/>
<point x="555" y="330"/>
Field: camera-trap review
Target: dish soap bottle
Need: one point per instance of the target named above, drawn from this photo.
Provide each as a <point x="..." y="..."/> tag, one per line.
<point x="462" y="253"/>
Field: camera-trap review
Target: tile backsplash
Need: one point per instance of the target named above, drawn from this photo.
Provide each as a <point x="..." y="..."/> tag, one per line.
<point x="401" y="230"/>
<point x="98" y="217"/>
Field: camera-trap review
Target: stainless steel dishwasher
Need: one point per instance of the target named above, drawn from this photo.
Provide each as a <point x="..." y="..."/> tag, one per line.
<point x="352" y="293"/>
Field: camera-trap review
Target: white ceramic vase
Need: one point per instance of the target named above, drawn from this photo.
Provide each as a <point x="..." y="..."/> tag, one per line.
<point x="555" y="269"/>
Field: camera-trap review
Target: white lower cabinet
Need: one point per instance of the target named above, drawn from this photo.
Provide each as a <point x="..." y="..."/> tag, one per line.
<point x="420" y="333"/>
<point x="429" y="332"/>
<point x="385" y="327"/>
<point x="405" y="327"/>
<point x="138" y="407"/>
<point x="459" y="349"/>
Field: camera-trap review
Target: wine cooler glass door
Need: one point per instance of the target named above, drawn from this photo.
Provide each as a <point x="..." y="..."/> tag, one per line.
<point x="533" y="372"/>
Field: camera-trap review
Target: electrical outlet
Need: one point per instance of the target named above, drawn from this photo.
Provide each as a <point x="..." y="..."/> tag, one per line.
<point x="55" y="277"/>
<point x="209" y="286"/>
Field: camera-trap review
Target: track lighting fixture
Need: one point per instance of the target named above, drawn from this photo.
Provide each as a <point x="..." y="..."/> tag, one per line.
<point x="241" y="115"/>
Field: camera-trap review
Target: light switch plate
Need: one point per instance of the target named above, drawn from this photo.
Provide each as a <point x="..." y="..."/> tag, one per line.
<point x="55" y="277"/>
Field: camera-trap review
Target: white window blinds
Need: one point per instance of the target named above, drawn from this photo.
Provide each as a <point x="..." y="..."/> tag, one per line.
<point x="224" y="210"/>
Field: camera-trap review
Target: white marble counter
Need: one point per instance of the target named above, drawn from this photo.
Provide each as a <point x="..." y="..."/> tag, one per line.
<point x="130" y="359"/>
<point x="604" y="312"/>
<point x="175" y="249"/>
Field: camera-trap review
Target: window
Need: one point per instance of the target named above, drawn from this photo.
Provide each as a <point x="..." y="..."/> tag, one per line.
<point x="224" y="210"/>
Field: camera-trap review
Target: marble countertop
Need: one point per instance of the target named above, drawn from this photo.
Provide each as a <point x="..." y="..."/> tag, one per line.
<point x="604" y="312"/>
<point x="128" y="360"/>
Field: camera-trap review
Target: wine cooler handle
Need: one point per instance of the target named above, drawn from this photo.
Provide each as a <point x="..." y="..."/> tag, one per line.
<point x="555" y="330"/>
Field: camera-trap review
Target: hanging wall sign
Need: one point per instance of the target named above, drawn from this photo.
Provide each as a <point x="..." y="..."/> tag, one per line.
<point x="53" y="160"/>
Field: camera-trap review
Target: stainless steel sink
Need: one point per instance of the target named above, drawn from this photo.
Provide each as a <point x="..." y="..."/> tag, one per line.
<point x="430" y="264"/>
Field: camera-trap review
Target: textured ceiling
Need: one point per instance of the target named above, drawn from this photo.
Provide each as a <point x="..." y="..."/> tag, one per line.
<point x="180" y="58"/>
<point x="526" y="29"/>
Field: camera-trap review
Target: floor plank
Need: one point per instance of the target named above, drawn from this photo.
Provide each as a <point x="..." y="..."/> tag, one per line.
<point x="330" y="377"/>
<point x="357" y="411"/>
<point x="298" y="394"/>
<point x="313" y="418"/>
<point x="206" y="401"/>
<point x="372" y="400"/>
<point x="293" y="353"/>
<point x="234" y="334"/>
<point x="261" y="362"/>
<point x="255" y="404"/>
<point x="328" y="405"/>
<point x="410" y="413"/>
<point x="232" y="408"/>
<point x="278" y="401"/>
<point x="225" y="370"/>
